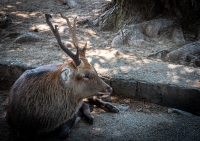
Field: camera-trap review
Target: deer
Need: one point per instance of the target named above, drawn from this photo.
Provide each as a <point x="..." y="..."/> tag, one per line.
<point x="50" y="97"/>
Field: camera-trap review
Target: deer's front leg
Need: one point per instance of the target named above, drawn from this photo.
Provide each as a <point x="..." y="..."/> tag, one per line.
<point x="85" y="111"/>
<point x="67" y="127"/>
<point x="103" y="105"/>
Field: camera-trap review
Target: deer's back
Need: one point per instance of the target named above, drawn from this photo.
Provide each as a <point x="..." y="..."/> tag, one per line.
<point x="36" y="104"/>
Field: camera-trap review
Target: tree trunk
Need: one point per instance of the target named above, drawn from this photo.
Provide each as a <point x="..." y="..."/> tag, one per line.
<point x="125" y="11"/>
<point x="110" y="19"/>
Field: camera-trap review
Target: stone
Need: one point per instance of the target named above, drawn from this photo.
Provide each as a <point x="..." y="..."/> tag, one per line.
<point x="28" y="37"/>
<point x="166" y="23"/>
<point x="130" y="37"/>
<point x="170" y="95"/>
<point x="136" y="38"/>
<point x="127" y="88"/>
<point x="182" y="54"/>
<point x="70" y="3"/>
<point x="153" y="28"/>
<point x="117" y="41"/>
<point x="173" y="110"/>
<point x="177" y="36"/>
<point x="123" y="107"/>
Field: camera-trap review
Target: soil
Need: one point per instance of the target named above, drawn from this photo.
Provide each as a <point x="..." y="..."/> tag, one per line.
<point x="136" y="121"/>
<point x="28" y="16"/>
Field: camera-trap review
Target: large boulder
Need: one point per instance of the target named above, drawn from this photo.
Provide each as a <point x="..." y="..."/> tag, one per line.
<point x="187" y="53"/>
<point x="128" y="37"/>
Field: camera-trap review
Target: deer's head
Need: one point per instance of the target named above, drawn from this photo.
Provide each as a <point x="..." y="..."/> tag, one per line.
<point x="79" y="74"/>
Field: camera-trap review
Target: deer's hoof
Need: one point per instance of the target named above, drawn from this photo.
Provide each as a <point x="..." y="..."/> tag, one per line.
<point x="111" y="108"/>
<point x="89" y="119"/>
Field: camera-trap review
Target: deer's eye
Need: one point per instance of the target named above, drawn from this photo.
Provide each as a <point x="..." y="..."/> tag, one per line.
<point x="86" y="76"/>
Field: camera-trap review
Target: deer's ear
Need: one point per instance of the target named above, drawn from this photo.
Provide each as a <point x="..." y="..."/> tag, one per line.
<point x="65" y="74"/>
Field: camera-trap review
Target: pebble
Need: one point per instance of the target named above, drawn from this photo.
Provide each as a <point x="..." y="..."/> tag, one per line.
<point x="173" y="110"/>
<point x="123" y="107"/>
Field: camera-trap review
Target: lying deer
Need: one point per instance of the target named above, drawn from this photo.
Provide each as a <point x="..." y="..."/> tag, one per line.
<point x="50" y="97"/>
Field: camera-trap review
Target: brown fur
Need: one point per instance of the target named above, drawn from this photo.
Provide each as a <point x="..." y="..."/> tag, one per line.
<point x="41" y="101"/>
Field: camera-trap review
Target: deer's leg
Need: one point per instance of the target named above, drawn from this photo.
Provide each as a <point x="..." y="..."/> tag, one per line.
<point x="67" y="126"/>
<point x="103" y="105"/>
<point x="85" y="112"/>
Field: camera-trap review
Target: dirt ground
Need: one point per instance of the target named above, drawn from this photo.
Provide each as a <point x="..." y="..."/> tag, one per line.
<point x="137" y="120"/>
<point x="28" y="16"/>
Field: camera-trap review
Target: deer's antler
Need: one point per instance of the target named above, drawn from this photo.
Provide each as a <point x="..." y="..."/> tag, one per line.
<point x="75" y="57"/>
<point x="72" y="30"/>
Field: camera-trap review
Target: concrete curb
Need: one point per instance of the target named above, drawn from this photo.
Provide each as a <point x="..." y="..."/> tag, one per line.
<point x="187" y="99"/>
<point x="183" y="98"/>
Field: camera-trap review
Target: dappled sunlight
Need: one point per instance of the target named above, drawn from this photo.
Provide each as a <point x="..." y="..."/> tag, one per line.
<point x="97" y="129"/>
<point x="63" y="56"/>
<point x="40" y="27"/>
<point x="172" y="66"/>
<point x="18" y="2"/>
<point x="146" y="61"/>
<point x="126" y="69"/>
<point x="187" y="70"/>
<point x="123" y="62"/>
<point x="123" y="67"/>
<point x="34" y="14"/>
<point x="126" y="66"/>
<point x="197" y="83"/>
<point x="175" y="79"/>
<point x="9" y="7"/>
<point x="22" y="15"/>
<point x="92" y="33"/>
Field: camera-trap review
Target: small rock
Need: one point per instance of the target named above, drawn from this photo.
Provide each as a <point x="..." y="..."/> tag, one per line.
<point x="153" y="28"/>
<point x="82" y="22"/>
<point x="28" y="37"/>
<point x="184" y="52"/>
<point x="173" y="110"/>
<point x="159" y="55"/>
<point x="123" y="107"/>
<point x="128" y="37"/>
<point x="166" y="23"/>
<point x="177" y="36"/>
<point x="70" y="3"/>
<point x="117" y="41"/>
<point x="136" y="38"/>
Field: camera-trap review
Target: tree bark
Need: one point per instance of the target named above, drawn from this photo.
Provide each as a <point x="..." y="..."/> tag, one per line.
<point x="124" y="11"/>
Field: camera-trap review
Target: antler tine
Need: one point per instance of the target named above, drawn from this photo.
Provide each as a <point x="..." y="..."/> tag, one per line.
<point x="74" y="38"/>
<point x="72" y="29"/>
<point x="64" y="48"/>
